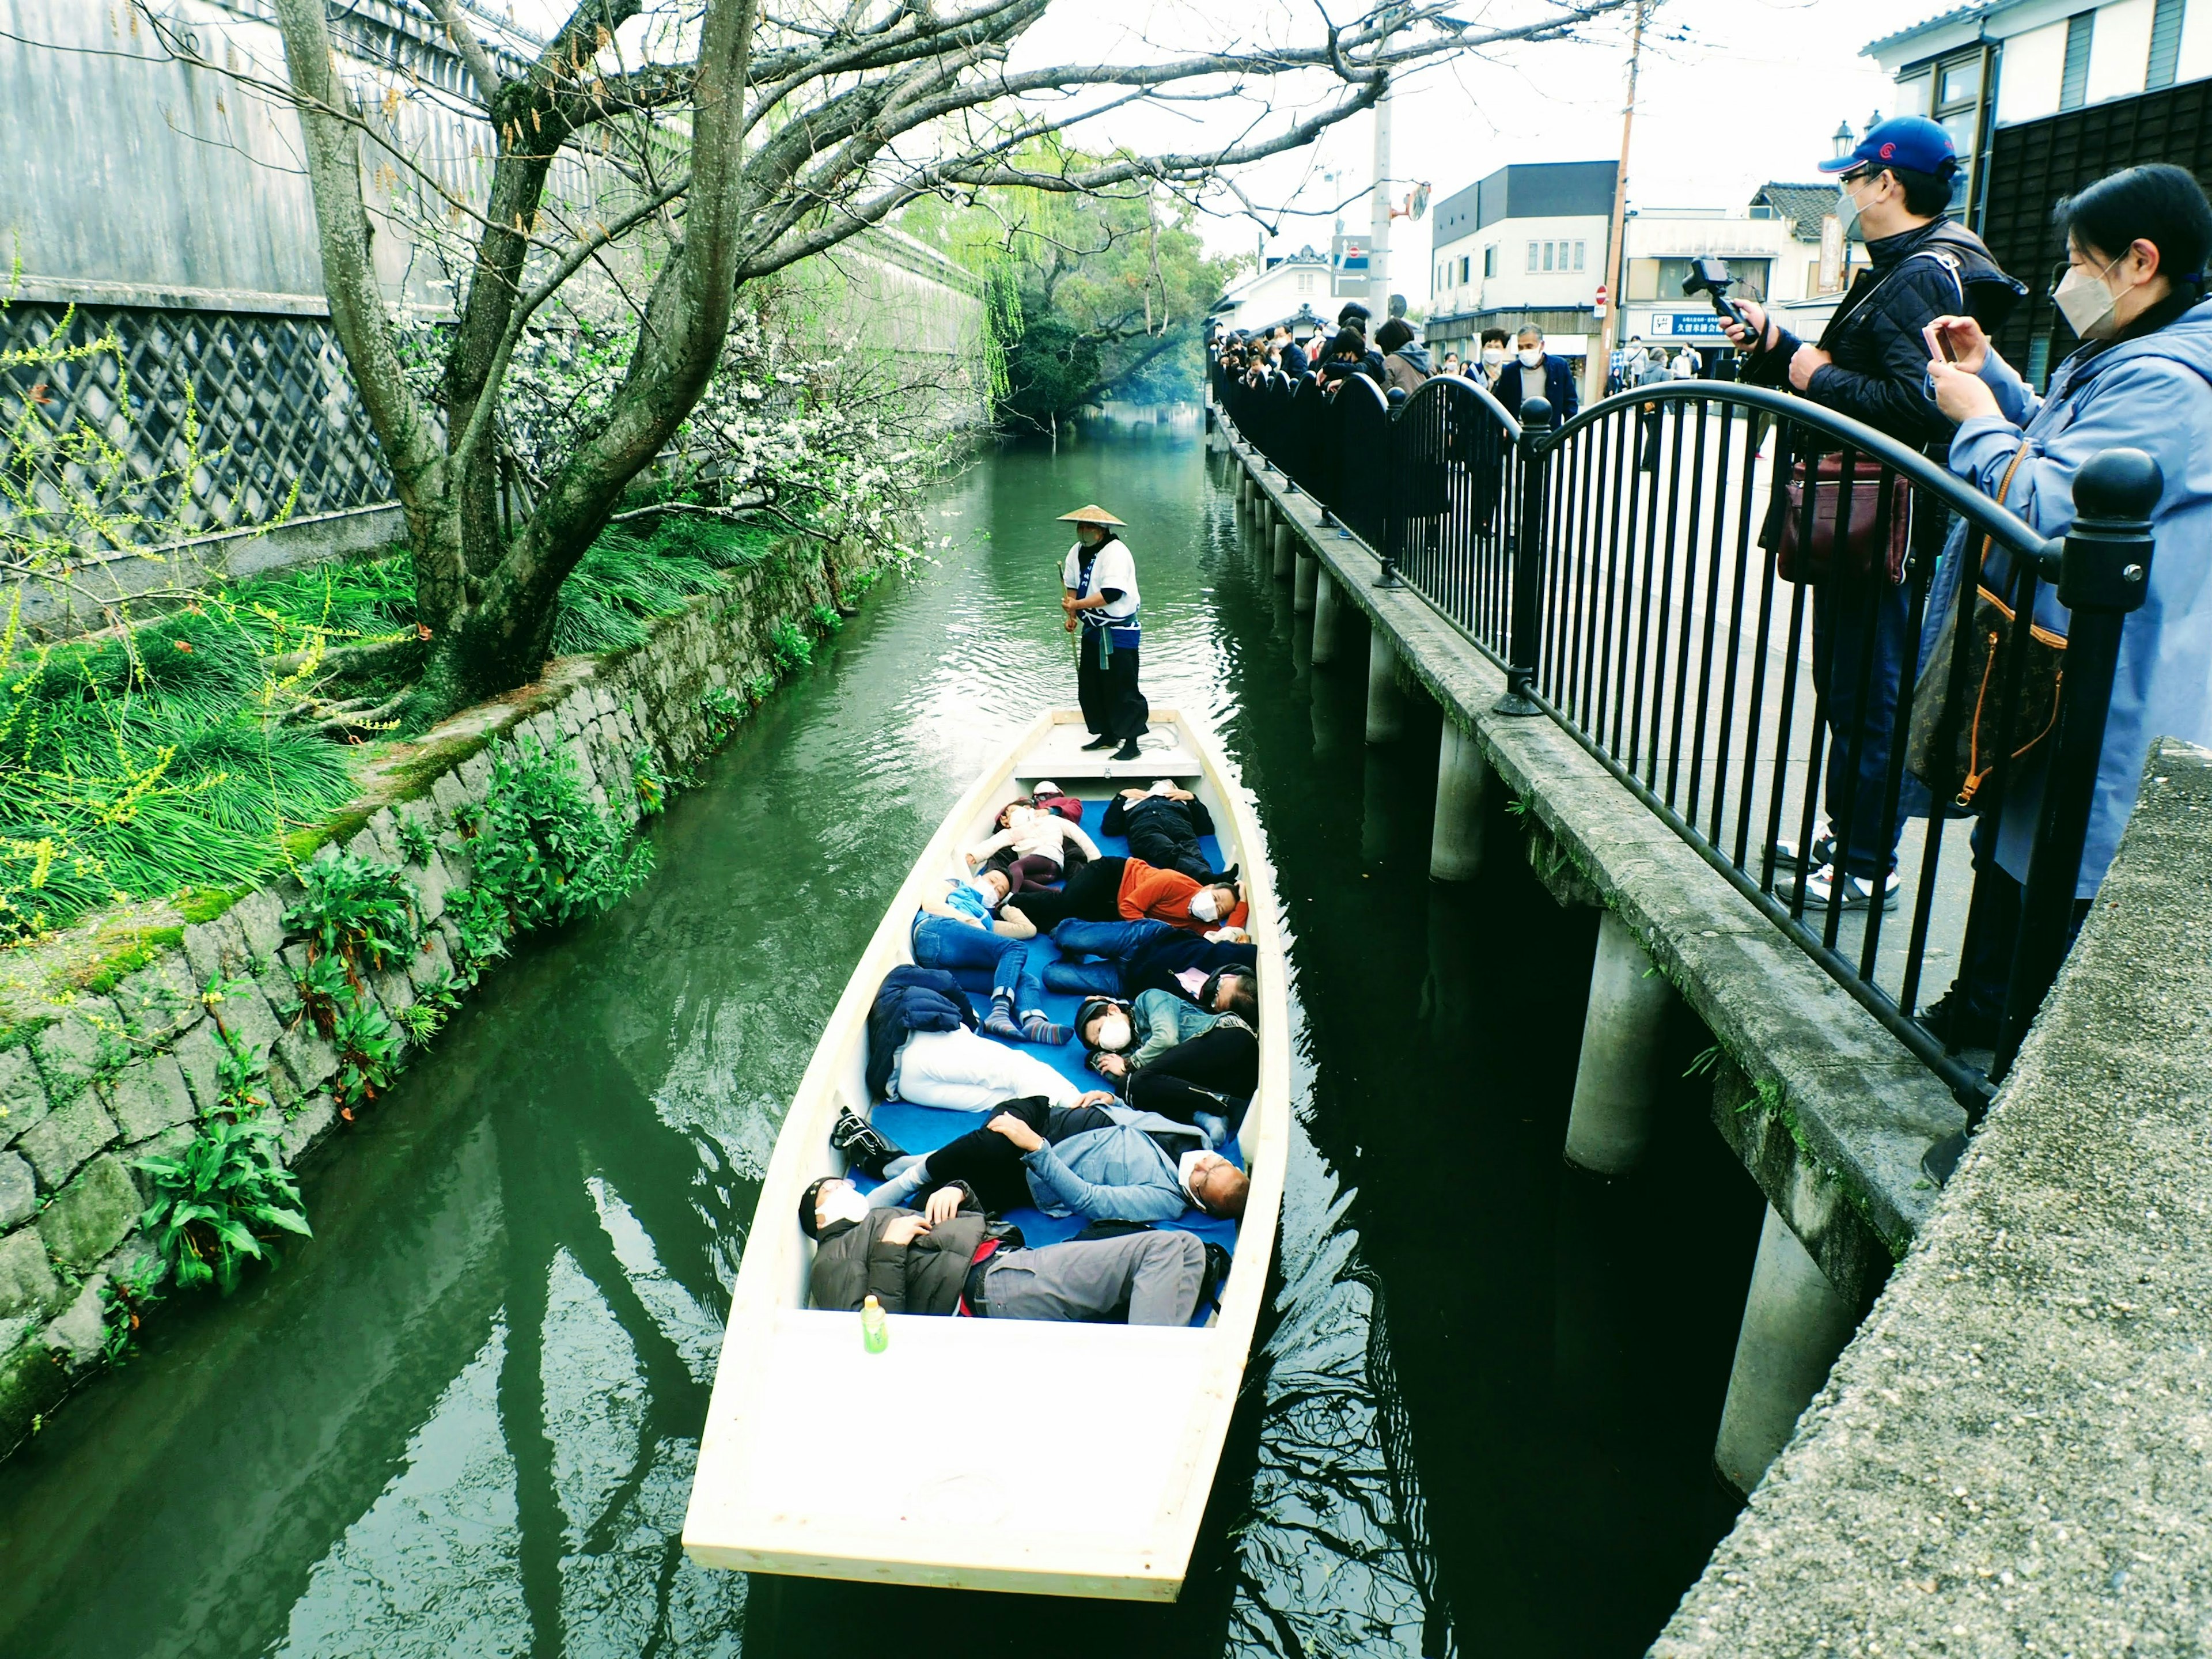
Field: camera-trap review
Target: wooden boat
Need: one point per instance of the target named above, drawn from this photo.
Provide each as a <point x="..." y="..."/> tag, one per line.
<point x="914" y="1466"/>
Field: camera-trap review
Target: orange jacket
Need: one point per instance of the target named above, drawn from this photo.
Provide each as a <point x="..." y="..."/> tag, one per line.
<point x="1149" y="893"/>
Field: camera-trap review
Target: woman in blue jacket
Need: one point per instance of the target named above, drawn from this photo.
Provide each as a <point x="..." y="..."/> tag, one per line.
<point x="2133" y="289"/>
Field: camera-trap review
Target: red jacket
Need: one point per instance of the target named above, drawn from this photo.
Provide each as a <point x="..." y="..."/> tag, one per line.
<point x="1149" y="893"/>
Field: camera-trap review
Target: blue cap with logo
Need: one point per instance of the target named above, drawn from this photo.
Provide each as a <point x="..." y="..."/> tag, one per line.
<point x="1912" y="142"/>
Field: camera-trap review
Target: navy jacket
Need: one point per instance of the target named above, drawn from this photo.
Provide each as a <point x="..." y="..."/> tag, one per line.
<point x="911" y="999"/>
<point x="1559" y="388"/>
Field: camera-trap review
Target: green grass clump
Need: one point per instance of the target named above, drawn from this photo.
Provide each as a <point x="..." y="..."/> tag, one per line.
<point x="635" y="574"/>
<point x="135" y="765"/>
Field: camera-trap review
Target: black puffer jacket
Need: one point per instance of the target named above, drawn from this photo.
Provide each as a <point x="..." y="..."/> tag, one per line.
<point x="924" y="1277"/>
<point x="1162" y="832"/>
<point x="911" y="999"/>
<point x="1880" y="374"/>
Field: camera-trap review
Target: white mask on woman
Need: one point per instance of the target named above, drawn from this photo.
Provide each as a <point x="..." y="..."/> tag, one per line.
<point x="1493" y="357"/>
<point x="845" y="1203"/>
<point x="1113" y="1033"/>
<point x="2086" y="304"/>
<point x="1532" y="357"/>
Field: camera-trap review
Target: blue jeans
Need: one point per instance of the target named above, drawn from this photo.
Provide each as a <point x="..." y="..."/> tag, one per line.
<point x="1843" y="616"/>
<point x="970" y="955"/>
<point x="1112" y="940"/>
<point x="1021" y="973"/>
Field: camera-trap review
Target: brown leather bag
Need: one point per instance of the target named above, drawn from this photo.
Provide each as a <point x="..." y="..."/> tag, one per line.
<point x="1958" y="734"/>
<point x="1881" y="510"/>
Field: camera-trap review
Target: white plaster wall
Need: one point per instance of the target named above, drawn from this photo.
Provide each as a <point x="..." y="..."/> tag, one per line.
<point x="2029" y="70"/>
<point x="2119" y="51"/>
<point x="1516" y="285"/>
<point x="2196" y="59"/>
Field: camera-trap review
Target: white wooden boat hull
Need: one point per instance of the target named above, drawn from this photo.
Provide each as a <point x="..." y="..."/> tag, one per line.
<point x="921" y="1465"/>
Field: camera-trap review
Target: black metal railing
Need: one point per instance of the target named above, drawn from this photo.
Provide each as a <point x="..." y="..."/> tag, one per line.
<point x="1662" y="576"/>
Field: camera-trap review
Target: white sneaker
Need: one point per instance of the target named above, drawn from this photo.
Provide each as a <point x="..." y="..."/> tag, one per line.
<point x="1819" y="889"/>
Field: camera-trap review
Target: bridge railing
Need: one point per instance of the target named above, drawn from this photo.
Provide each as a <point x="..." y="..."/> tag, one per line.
<point x="1663" y="577"/>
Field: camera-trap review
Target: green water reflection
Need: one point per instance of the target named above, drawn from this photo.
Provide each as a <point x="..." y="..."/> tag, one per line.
<point x="462" y="1421"/>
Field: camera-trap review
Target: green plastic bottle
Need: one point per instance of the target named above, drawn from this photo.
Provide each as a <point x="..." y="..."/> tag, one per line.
<point x="875" y="1326"/>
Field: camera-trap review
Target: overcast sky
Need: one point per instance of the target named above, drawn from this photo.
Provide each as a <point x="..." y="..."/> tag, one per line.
<point x="1734" y="92"/>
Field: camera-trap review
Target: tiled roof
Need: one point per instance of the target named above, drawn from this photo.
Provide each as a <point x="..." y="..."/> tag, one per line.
<point x="1804" y="205"/>
<point x="1956" y="14"/>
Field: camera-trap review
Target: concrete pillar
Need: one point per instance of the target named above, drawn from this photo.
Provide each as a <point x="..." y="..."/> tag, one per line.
<point x="1616" y="1076"/>
<point x="1285" y="559"/>
<point x="1462" y="780"/>
<point x="1386" y="704"/>
<point x="1328" y="610"/>
<point x="1794" y="1327"/>
<point x="1302" y="590"/>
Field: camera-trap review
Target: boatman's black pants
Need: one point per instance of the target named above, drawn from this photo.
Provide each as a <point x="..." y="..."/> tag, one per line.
<point x="1106" y="686"/>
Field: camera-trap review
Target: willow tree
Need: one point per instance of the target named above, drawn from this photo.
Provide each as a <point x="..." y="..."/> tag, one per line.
<point x="768" y="135"/>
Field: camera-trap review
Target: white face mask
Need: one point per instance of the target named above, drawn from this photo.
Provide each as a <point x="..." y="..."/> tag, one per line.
<point x="1492" y="357"/>
<point x="1847" y="211"/>
<point x="989" y="892"/>
<point x="2086" y="304"/>
<point x="1532" y="357"/>
<point x="1113" y="1033"/>
<point x="841" y="1203"/>
<point x="1161" y="787"/>
<point x="1203" y="907"/>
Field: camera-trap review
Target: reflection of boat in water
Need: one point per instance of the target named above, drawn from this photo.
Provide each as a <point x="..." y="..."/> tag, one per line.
<point x="1002" y="1455"/>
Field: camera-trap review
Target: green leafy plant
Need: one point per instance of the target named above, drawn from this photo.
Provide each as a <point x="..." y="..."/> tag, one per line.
<point x="480" y="927"/>
<point x="368" y="1054"/>
<point x="240" y="1074"/>
<point x="827" y="619"/>
<point x="758" y="688"/>
<point x="652" y="787"/>
<point x="124" y="1298"/>
<point x="221" y="1203"/>
<point x="789" y="645"/>
<point x="358" y="909"/>
<point x="724" y="708"/>
<point x="325" y="991"/>
<point x="543" y="850"/>
<point x="416" y="840"/>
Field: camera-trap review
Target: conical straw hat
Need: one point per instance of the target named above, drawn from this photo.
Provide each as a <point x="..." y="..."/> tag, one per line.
<point x="1091" y="515"/>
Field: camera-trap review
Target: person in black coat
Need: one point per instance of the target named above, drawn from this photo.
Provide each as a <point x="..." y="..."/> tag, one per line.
<point x="1872" y="365"/>
<point x="1163" y="826"/>
<point x="1532" y="368"/>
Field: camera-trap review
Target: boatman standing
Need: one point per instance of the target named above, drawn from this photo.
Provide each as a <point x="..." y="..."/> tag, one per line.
<point x="1101" y="580"/>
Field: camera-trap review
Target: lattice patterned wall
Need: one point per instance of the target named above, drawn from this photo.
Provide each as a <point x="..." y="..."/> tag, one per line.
<point x="274" y="408"/>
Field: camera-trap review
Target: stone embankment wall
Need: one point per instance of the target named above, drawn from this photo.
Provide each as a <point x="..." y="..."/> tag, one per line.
<point x="106" y="1080"/>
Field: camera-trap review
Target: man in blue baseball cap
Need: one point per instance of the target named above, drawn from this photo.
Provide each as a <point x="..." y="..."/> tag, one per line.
<point x="1872" y="365"/>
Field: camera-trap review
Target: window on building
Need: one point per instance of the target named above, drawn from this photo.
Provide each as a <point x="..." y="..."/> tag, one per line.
<point x="1490" y="260"/>
<point x="1579" y="256"/>
<point x="2074" y="81"/>
<point x="1532" y="256"/>
<point x="2165" y="44"/>
<point x="1305" y="281"/>
<point x="1462" y="268"/>
<point x="1958" y="110"/>
<point x="1912" y="95"/>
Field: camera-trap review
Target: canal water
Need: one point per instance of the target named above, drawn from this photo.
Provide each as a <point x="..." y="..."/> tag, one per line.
<point x="461" y="1421"/>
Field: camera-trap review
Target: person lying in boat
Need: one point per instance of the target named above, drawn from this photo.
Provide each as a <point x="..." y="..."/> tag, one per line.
<point x="1053" y="799"/>
<point x="1102" y="1162"/>
<point x="1133" y="957"/>
<point x="1130" y="890"/>
<point x="1034" y="846"/>
<point x="954" y="935"/>
<point x="1163" y="824"/>
<point x="949" y="1258"/>
<point x="923" y="1046"/>
<point x="1193" y="1062"/>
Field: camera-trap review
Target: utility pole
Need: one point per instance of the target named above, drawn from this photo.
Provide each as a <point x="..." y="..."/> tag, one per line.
<point x="1378" y="253"/>
<point x="1616" y="261"/>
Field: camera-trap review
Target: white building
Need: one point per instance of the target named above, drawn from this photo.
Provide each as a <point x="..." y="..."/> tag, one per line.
<point x="1286" y="288"/>
<point x="1526" y="245"/>
<point x="1774" y="251"/>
